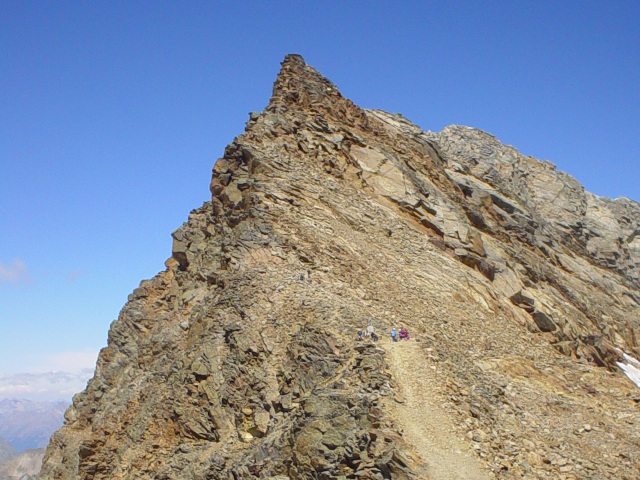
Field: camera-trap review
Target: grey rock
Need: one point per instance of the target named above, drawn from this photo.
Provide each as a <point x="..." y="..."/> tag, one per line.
<point x="543" y="321"/>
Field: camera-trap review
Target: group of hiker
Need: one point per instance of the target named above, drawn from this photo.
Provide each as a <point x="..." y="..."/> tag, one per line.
<point x="396" y="335"/>
<point x="401" y="334"/>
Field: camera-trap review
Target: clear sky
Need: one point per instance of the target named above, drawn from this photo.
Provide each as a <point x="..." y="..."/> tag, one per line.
<point x="113" y="113"/>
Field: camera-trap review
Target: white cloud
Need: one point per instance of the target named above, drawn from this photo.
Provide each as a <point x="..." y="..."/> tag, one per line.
<point x="51" y="377"/>
<point x="48" y="386"/>
<point x="16" y="272"/>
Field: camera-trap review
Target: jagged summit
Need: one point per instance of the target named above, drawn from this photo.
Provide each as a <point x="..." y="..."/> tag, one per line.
<point x="300" y="84"/>
<point x="241" y="360"/>
<point x="301" y="92"/>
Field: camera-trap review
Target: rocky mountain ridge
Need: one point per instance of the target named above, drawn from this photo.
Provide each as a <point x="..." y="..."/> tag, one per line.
<point x="239" y="360"/>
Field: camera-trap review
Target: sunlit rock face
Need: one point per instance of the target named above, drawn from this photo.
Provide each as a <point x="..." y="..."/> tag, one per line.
<point x="520" y="291"/>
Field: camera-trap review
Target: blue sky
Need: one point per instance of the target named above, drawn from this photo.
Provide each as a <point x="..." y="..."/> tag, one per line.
<point x="113" y="113"/>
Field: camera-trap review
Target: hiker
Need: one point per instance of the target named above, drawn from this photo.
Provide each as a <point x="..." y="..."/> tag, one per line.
<point x="404" y="334"/>
<point x="359" y="335"/>
<point x="394" y="335"/>
<point x="374" y="337"/>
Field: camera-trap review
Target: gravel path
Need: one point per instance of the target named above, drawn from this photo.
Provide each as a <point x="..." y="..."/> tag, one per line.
<point x="425" y="425"/>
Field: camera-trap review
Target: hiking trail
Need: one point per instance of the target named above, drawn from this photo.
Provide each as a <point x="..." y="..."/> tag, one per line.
<point x="425" y="425"/>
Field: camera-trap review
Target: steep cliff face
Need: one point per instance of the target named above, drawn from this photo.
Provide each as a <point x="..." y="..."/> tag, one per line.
<point x="240" y="359"/>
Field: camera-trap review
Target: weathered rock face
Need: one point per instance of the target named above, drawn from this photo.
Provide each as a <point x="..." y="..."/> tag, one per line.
<point x="239" y="360"/>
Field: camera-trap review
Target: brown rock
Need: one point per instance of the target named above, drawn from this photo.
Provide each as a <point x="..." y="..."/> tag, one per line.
<point x="240" y="359"/>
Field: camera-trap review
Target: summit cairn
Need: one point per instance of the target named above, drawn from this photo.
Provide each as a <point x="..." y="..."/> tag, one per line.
<point x="520" y="289"/>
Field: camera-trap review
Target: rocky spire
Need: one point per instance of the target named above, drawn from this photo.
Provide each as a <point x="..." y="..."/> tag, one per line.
<point x="300" y="84"/>
<point x="300" y="88"/>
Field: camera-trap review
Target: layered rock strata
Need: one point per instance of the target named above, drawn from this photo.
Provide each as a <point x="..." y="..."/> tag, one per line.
<point x="239" y="360"/>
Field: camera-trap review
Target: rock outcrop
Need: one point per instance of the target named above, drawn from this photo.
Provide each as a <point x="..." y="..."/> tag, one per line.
<point x="240" y="361"/>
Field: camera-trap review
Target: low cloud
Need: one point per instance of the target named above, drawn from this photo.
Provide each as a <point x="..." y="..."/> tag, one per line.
<point x="51" y="377"/>
<point x="48" y="386"/>
<point x="16" y="272"/>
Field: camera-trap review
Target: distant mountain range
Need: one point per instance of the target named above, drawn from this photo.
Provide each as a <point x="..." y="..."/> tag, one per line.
<point x="6" y="450"/>
<point x="27" y="424"/>
<point x="24" y="466"/>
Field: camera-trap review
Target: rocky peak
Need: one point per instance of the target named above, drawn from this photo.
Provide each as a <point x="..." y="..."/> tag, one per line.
<point x="241" y="359"/>
<point x="301" y="85"/>
<point x="300" y="89"/>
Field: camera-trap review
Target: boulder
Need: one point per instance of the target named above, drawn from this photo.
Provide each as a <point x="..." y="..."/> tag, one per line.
<point x="543" y="321"/>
